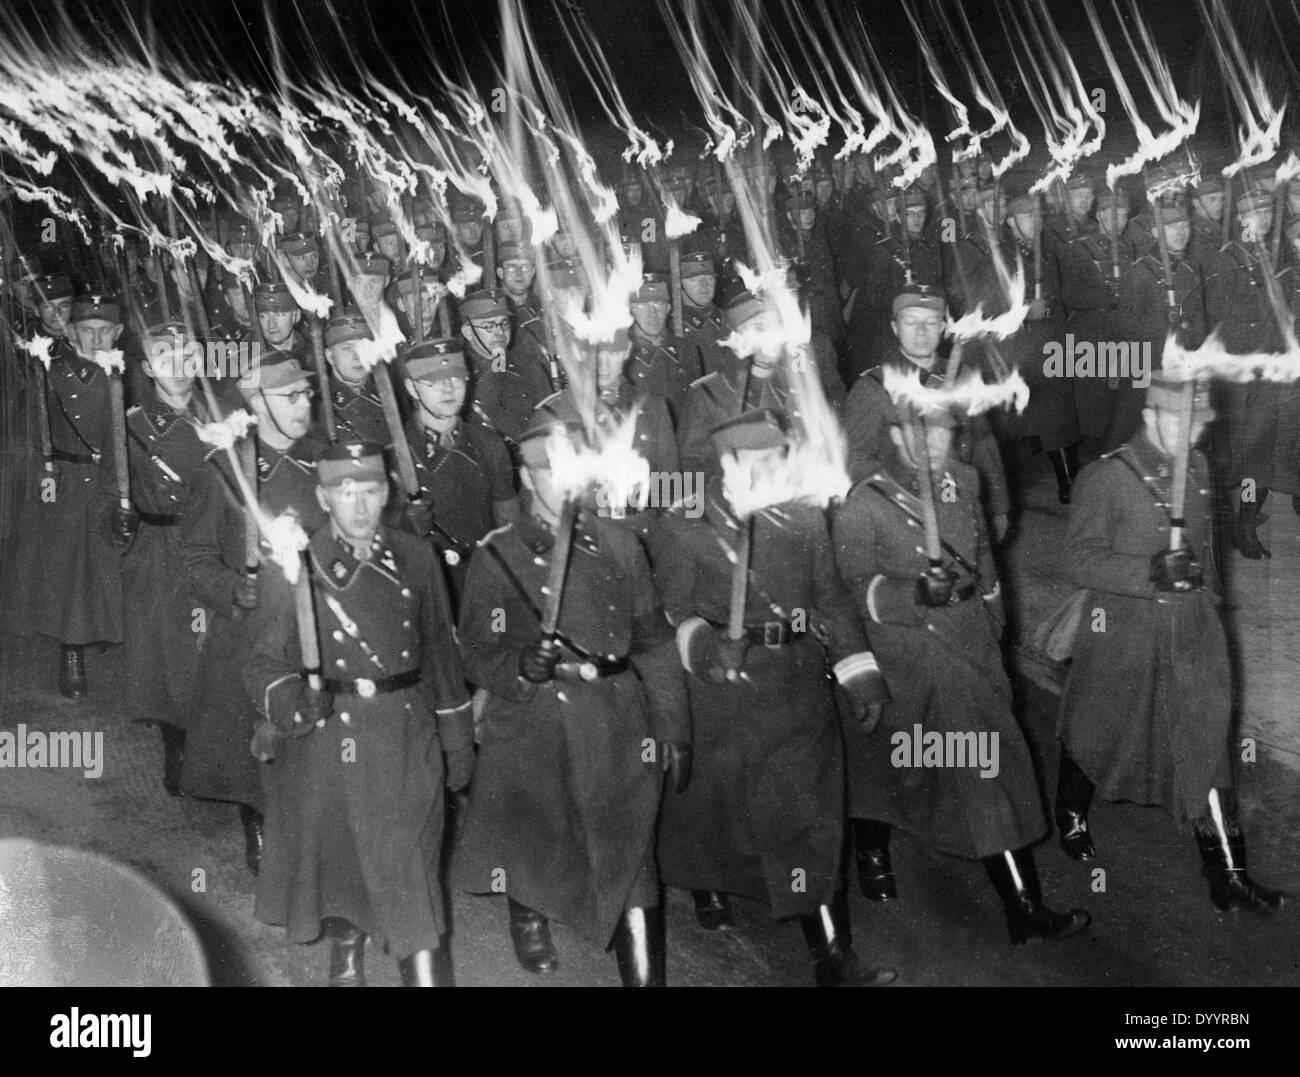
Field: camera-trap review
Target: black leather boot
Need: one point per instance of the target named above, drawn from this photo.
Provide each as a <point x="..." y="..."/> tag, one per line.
<point x="713" y="910"/>
<point x="1073" y="796"/>
<point x="1015" y="877"/>
<point x="830" y="941"/>
<point x="251" y="819"/>
<point x="639" y="947"/>
<point x="530" y="931"/>
<point x="72" y="671"/>
<point x="1223" y="856"/>
<point x="1064" y="474"/>
<point x="173" y="740"/>
<point x="875" y="870"/>
<point x="347" y="953"/>
<point x="1248" y="519"/>
<point x="417" y="970"/>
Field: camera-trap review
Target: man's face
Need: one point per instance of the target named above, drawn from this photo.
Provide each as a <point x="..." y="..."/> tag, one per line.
<point x="765" y="325"/>
<point x="167" y="369"/>
<point x="822" y="191"/>
<point x="634" y="194"/>
<point x="755" y="465"/>
<point x="369" y="290"/>
<point x="355" y="507"/>
<point x="55" y="316"/>
<point x="362" y="237"/>
<point x="565" y="245"/>
<point x="1211" y="205"/>
<point x="1078" y="202"/>
<point x="441" y="398"/>
<point x="650" y="315"/>
<point x="346" y="362"/>
<point x="516" y="276"/>
<point x="290" y="217"/>
<point x="609" y="366"/>
<point x="287" y="409"/>
<point x="470" y="233"/>
<point x="1177" y="235"/>
<point x="804" y="219"/>
<point x="862" y="167"/>
<point x="305" y="265"/>
<point x="915" y="220"/>
<point x="390" y="247"/>
<point x="699" y="290"/>
<point x="277" y="325"/>
<point x="437" y="253"/>
<point x="1167" y="425"/>
<point x="918" y="331"/>
<point x="96" y="335"/>
<point x="1112" y="219"/>
<point x="428" y="309"/>
<point x="1025" y="224"/>
<point x="488" y="335"/>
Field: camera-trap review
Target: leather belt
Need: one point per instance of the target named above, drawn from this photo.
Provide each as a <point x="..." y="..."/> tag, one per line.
<point x="160" y="519"/>
<point x="770" y="633"/>
<point x="591" y="669"/>
<point x="366" y="688"/>
<point x="74" y="457"/>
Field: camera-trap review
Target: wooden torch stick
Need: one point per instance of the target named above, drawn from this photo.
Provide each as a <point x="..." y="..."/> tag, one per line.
<point x="558" y="571"/>
<point x="675" y="283"/>
<point x="316" y="331"/>
<point x="740" y="581"/>
<point x="393" y="419"/>
<point x="117" y="413"/>
<point x="304" y="609"/>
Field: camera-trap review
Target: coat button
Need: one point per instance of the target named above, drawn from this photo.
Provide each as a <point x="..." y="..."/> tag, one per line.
<point x="406" y="624"/>
<point x="338" y="636"/>
<point x="345" y="718"/>
<point x="341" y="663"/>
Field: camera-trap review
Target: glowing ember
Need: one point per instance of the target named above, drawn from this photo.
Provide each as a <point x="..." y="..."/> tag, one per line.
<point x="39" y="347"/>
<point x="223" y="433"/>
<point x="286" y="538"/>
<point x="110" y="362"/>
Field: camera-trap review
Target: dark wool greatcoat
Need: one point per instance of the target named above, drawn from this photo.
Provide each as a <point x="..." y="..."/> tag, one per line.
<point x="763" y="814"/>
<point x="943" y="668"/>
<point x="218" y="764"/>
<point x="1148" y="703"/>
<point x="354" y="817"/>
<point x="462" y="480"/>
<point x="568" y="783"/>
<point x="162" y="637"/>
<point x="66" y="576"/>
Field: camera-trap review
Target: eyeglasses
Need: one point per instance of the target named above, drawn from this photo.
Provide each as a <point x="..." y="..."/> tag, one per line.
<point x="295" y="396"/>
<point x="501" y="325"/>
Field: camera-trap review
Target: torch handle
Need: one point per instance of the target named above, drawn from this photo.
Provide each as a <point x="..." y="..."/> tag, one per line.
<point x="417" y="303"/>
<point x="675" y="282"/>
<point x="316" y="331"/>
<point x="1182" y="453"/>
<point x="489" y="255"/>
<point x="305" y="612"/>
<point x="43" y="416"/>
<point x="740" y="581"/>
<point x="558" y="569"/>
<point x="393" y="418"/>
<point x="117" y="413"/>
<point x="248" y="466"/>
<point x="444" y="318"/>
<point x="929" y="515"/>
<point x="1227" y="209"/>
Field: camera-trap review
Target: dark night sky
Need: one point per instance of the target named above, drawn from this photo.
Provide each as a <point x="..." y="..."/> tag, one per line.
<point x="232" y="35"/>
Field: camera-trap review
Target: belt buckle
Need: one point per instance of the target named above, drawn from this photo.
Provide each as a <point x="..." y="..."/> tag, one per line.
<point x="451" y="557"/>
<point x="95" y="457"/>
<point x="365" y="687"/>
<point x="588" y="671"/>
<point x="772" y="634"/>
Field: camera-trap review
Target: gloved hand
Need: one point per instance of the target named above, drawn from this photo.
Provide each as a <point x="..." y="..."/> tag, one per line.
<point x="245" y="592"/>
<point x="314" y="706"/>
<point x="264" y="740"/>
<point x="537" y="662"/>
<point x="420" y="516"/>
<point x="460" y="768"/>
<point x="675" y="761"/>
<point x="124" y="525"/>
<point x="934" y="586"/>
<point x="1175" y="570"/>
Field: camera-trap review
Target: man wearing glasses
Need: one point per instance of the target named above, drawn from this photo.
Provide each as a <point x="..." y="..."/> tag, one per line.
<point x="507" y="384"/>
<point x="217" y="764"/>
<point x="660" y="362"/>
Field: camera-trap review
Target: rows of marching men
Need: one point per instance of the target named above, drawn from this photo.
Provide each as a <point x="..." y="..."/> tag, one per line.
<point x="603" y="700"/>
